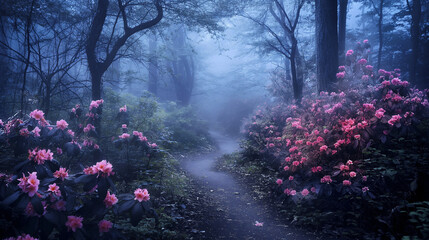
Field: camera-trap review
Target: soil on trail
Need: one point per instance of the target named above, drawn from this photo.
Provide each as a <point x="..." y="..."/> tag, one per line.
<point x="229" y="211"/>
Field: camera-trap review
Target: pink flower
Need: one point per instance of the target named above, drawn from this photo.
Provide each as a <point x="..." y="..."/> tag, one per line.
<point x="364" y="178"/>
<point x="368" y="107"/>
<point x="22" y="237"/>
<point x="365" y="189"/>
<point x="110" y="200"/>
<point x="95" y="104"/>
<point x="104" y="167"/>
<point x="123" y="109"/>
<point x="369" y="67"/>
<point x="40" y="156"/>
<point x="90" y="170"/>
<point x="396" y="81"/>
<point x="290" y="178"/>
<point x="124" y="136"/>
<point x="279" y="181"/>
<point x="37" y="114"/>
<point x="74" y="223"/>
<point x="362" y="61"/>
<point x="53" y="188"/>
<point x="347" y="183"/>
<point x="141" y="195"/>
<point x="349" y="52"/>
<point x="323" y="148"/>
<point x="293" y="149"/>
<point x="295" y="163"/>
<point x="341" y="75"/>
<point x="124" y="125"/>
<point x="380" y="113"/>
<point x="395" y="119"/>
<point x="349" y="162"/>
<point x="313" y="189"/>
<point x="61" y="173"/>
<point x="36" y="132"/>
<point x="293" y="192"/>
<point x="385" y="83"/>
<point x="365" y="78"/>
<point x="344" y="167"/>
<point x="286" y="168"/>
<point x="341" y="68"/>
<point x="304" y="192"/>
<point x="352" y="174"/>
<point x="259" y="224"/>
<point x="59" y="151"/>
<point x="24" y="132"/>
<point x="326" y="179"/>
<point x="287" y="159"/>
<point x="104" y="226"/>
<point x="70" y="132"/>
<point x="88" y="128"/>
<point x="62" y="124"/>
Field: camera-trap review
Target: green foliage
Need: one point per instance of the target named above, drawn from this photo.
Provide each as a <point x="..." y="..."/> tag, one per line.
<point x="146" y="115"/>
<point x="186" y="129"/>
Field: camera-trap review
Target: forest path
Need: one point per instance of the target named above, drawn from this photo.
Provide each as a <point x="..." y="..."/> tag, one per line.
<point x="231" y="212"/>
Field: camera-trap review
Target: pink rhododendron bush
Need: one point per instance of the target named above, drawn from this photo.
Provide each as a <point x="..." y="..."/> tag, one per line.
<point x="360" y="152"/>
<point x="56" y="182"/>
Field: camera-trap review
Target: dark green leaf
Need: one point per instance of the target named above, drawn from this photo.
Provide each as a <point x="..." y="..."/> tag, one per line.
<point x="37" y="204"/>
<point x="11" y="199"/>
<point x="126" y="205"/>
<point x="136" y="214"/>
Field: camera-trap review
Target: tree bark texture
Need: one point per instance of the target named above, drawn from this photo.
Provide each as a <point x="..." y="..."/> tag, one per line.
<point x="326" y="44"/>
<point x="416" y="12"/>
<point x="342" y="23"/>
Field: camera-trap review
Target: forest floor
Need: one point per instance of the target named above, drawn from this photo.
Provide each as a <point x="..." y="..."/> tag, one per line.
<point x="225" y="208"/>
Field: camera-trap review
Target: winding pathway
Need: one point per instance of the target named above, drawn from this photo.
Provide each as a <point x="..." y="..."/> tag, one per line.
<point x="238" y="209"/>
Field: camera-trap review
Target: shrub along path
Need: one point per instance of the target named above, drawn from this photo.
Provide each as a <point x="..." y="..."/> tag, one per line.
<point x="229" y="211"/>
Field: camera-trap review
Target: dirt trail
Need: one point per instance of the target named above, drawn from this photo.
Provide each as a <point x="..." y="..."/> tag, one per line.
<point x="234" y="211"/>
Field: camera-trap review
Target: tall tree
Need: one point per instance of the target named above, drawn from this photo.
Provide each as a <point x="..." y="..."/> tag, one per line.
<point x="378" y="8"/>
<point x="342" y="23"/>
<point x="284" y="41"/>
<point x="326" y="44"/>
<point x="415" y="9"/>
<point x="182" y="67"/>
<point x="98" y="65"/>
<point x="153" y="65"/>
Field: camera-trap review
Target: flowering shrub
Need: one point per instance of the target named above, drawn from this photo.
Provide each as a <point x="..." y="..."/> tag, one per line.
<point x="318" y="146"/>
<point x="39" y="195"/>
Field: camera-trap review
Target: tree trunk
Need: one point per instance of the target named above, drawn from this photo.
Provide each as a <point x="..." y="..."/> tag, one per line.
<point x="297" y="78"/>
<point x="342" y="22"/>
<point x="326" y="44"/>
<point x="96" y="75"/>
<point x="27" y="60"/>
<point x="380" y="33"/>
<point x="153" y="66"/>
<point x="287" y="70"/>
<point x="416" y="10"/>
<point x="47" y="101"/>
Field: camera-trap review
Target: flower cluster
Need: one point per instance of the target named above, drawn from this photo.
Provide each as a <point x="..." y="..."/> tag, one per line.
<point x="29" y="184"/>
<point x="103" y="167"/>
<point x="310" y="142"/>
<point x="73" y="223"/>
<point x="61" y="173"/>
<point x="141" y="195"/>
<point x="40" y="155"/>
